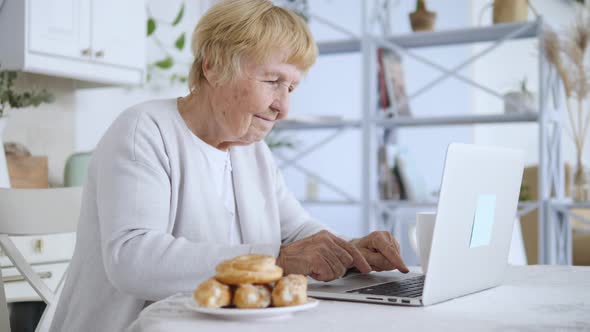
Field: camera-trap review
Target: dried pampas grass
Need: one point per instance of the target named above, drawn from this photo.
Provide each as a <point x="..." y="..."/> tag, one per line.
<point x="567" y="55"/>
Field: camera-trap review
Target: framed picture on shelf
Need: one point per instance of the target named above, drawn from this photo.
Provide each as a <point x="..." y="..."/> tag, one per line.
<point x="392" y="82"/>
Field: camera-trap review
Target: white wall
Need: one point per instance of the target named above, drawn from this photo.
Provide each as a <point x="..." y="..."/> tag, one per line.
<point x="49" y="129"/>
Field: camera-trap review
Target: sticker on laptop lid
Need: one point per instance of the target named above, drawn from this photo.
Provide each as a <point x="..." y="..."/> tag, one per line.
<point x="483" y="221"/>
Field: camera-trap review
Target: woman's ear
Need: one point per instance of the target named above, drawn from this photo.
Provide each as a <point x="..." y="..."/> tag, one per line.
<point x="210" y="73"/>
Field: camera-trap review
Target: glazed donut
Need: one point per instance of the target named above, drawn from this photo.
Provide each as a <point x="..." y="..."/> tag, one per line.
<point x="290" y="290"/>
<point x="249" y="296"/>
<point x="248" y="269"/>
<point x="212" y="294"/>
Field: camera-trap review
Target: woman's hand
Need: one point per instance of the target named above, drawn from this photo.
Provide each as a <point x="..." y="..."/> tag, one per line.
<point x="382" y="251"/>
<point x="323" y="256"/>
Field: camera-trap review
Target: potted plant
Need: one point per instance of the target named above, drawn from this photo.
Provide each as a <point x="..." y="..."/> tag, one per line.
<point x="422" y="19"/>
<point x="519" y="101"/>
<point x="11" y="99"/>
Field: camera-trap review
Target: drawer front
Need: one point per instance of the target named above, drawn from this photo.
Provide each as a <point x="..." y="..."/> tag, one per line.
<point x="42" y="249"/>
<point x="20" y="291"/>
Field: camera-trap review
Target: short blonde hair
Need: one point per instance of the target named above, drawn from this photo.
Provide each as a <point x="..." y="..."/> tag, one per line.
<point x="233" y="29"/>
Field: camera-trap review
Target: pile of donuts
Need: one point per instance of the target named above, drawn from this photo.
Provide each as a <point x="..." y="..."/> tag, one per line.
<point x="251" y="282"/>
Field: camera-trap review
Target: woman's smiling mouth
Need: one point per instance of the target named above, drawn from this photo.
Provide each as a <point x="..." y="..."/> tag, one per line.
<point x="265" y="119"/>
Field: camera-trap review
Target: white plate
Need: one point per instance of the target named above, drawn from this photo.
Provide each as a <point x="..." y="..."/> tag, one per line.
<point x="246" y="314"/>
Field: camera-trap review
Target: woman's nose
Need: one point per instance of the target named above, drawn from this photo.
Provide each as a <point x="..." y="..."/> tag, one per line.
<point x="281" y="103"/>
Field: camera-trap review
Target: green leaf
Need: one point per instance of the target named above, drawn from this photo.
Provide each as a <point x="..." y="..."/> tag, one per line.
<point x="179" y="43"/>
<point x="179" y="15"/>
<point x="167" y="63"/>
<point x="151" y="26"/>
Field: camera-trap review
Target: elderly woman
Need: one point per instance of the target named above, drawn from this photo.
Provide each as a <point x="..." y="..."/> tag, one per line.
<point x="176" y="186"/>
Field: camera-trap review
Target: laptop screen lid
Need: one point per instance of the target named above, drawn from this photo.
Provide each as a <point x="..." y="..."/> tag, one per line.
<point x="474" y="222"/>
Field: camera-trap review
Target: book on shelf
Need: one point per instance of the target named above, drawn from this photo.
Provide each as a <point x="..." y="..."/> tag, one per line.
<point x="397" y="182"/>
<point x="388" y="185"/>
<point x="391" y="84"/>
<point x="383" y="97"/>
<point x="399" y="177"/>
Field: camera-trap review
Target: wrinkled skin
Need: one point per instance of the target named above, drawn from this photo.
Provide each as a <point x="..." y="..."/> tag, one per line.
<point x="325" y="257"/>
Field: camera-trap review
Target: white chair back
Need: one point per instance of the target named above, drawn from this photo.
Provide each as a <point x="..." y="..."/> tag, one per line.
<point x="39" y="211"/>
<point x="35" y="212"/>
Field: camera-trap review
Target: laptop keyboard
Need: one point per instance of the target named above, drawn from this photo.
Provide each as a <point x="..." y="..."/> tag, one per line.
<point x="411" y="287"/>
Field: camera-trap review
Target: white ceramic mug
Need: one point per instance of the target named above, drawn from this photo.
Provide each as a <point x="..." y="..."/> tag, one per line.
<point x="424" y="230"/>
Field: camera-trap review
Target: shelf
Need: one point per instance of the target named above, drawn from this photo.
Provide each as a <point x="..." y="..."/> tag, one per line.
<point x="404" y="204"/>
<point x="297" y="125"/>
<point x="569" y="204"/>
<point x="457" y="120"/>
<point x="412" y="121"/>
<point x="328" y="202"/>
<point x="439" y="38"/>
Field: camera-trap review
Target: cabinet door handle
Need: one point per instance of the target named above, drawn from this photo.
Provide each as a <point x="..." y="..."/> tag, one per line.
<point x="99" y="54"/>
<point x="42" y="275"/>
<point x="86" y="51"/>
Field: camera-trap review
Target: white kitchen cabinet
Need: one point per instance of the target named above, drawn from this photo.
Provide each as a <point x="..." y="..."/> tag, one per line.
<point x="99" y="41"/>
<point x="49" y="256"/>
<point x="59" y="27"/>
<point x="116" y="26"/>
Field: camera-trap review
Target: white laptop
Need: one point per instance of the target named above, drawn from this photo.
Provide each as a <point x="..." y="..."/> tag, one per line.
<point x="477" y="181"/>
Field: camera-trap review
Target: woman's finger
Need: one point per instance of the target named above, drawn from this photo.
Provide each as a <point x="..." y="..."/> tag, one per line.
<point x="391" y="252"/>
<point x="392" y="239"/>
<point x="344" y="257"/>
<point x="358" y="260"/>
<point x="378" y="262"/>
<point x="323" y="270"/>
<point x="332" y="259"/>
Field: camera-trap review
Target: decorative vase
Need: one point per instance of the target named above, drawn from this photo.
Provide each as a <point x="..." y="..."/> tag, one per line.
<point x="506" y="11"/>
<point x="422" y="19"/>
<point x="580" y="184"/>
<point x="4" y="179"/>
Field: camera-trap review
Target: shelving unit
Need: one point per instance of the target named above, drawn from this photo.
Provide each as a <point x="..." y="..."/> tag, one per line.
<point x="551" y="175"/>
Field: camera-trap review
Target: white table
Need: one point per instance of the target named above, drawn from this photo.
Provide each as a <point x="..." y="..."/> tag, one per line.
<point x="535" y="298"/>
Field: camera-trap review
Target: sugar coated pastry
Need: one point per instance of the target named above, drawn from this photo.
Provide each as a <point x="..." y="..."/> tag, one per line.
<point x="248" y="269"/>
<point x="290" y="290"/>
<point x="249" y="296"/>
<point x="212" y="294"/>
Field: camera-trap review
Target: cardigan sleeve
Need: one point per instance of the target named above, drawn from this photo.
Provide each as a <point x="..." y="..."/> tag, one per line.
<point x="140" y="255"/>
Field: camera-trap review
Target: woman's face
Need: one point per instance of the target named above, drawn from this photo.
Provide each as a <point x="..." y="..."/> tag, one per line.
<point x="247" y="107"/>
